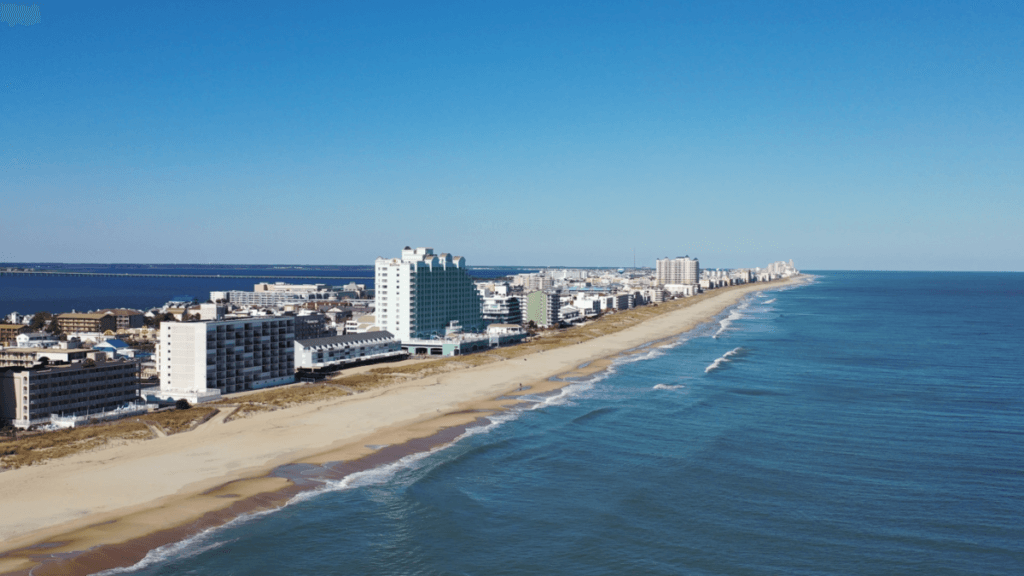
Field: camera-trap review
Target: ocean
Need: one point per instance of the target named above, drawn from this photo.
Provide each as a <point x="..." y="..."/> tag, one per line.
<point x="865" y="423"/>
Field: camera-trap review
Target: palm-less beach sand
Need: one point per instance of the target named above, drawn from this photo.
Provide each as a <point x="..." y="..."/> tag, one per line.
<point x="122" y="501"/>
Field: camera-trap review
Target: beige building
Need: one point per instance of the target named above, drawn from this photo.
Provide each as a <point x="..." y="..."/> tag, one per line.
<point x="8" y="332"/>
<point x="87" y="322"/>
<point x="682" y="270"/>
<point x="28" y="357"/>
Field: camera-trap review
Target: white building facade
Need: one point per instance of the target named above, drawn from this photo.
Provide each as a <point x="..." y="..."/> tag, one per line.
<point x="275" y="295"/>
<point x="337" y="351"/>
<point x="420" y="294"/>
<point x="199" y="360"/>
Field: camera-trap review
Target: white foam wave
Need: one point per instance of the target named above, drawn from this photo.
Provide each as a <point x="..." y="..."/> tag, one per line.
<point x="187" y="548"/>
<point x="193" y="545"/>
<point x="673" y="344"/>
<point x="649" y="355"/>
<point x="722" y="359"/>
<point x="564" y="396"/>
<point x="724" y="323"/>
<point x="668" y="387"/>
<point x="386" y="472"/>
<point x="769" y="301"/>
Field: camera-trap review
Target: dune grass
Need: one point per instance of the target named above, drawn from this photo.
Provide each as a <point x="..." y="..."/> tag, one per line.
<point x="36" y="447"/>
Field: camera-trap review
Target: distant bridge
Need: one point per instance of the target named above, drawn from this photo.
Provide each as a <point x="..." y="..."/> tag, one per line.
<point x="131" y="275"/>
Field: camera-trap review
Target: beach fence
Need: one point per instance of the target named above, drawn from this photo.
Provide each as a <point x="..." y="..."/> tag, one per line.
<point x="59" y="422"/>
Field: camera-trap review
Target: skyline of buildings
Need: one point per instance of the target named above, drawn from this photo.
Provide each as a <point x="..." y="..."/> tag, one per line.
<point x="420" y="303"/>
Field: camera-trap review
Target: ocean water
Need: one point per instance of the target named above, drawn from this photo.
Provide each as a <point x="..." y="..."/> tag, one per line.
<point x="867" y="423"/>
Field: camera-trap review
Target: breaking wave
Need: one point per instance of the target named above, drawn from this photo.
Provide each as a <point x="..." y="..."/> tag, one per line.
<point x="204" y="541"/>
<point x="724" y="323"/>
<point x="668" y="387"/>
<point x="722" y="359"/>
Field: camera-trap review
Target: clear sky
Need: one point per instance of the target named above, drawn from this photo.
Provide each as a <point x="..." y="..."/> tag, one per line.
<point x="843" y="135"/>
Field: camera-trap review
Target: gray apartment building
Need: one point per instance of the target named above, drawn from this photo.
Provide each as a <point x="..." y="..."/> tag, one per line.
<point x="29" y="396"/>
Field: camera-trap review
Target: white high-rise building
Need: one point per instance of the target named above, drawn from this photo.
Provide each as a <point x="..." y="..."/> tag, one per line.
<point x="202" y="359"/>
<point x="681" y="270"/>
<point x="420" y="294"/>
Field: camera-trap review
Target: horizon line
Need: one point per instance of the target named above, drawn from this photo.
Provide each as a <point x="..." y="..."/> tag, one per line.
<point x="10" y="264"/>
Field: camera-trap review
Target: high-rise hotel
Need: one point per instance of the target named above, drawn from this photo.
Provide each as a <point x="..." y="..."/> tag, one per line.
<point x="680" y="270"/>
<point x="420" y="295"/>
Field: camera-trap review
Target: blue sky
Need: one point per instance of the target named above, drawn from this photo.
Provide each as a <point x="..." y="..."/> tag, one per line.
<point x="854" y="135"/>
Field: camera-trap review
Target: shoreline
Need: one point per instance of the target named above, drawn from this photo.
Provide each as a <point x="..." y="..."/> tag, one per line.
<point x="221" y="472"/>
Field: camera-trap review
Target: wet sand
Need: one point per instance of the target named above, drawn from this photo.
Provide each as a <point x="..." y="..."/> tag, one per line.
<point x="108" y="508"/>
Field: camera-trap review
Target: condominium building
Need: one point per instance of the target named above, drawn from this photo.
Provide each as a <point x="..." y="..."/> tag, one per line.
<point x="338" y="351"/>
<point x="654" y="295"/>
<point x="681" y="270"/>
<point x="587" y="305"/>
<point x="421" y="294"/>
<point x="278" y="294"/>
<point x="30" y="396"/>
<point x="87" y="322"/>
<point x="542" y="308"/>
<point x="535" y="281"/>
<point x="311" y="325"/>
<point x="622" y="301"/>
<point x="126" y="318"/>
<point x="36" y="340"/>
<point x="8" y="333"/>
<point x="29" y="357"/>
<point x="201" y="359"/>
<point x="496" y="309"/>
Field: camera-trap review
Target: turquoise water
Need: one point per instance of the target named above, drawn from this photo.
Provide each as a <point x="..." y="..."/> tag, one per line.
<point x="867" y="423"/>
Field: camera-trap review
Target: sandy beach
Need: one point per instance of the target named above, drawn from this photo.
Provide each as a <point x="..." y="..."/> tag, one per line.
<point x="121" y="501"/>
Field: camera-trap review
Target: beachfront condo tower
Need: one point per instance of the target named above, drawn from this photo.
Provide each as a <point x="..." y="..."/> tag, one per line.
<point x="681" y="270"/>
<point x="200" y="360"/>
<point x="422" y="295"/>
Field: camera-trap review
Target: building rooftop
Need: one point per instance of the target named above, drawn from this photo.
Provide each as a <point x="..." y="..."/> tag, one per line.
<point x="76" y="365"/>
<point x="84" y="315"/>
<point x="121" y="312"/>
<point x="346" y="338"/>
<point x="46" y="350"/>
<point x="113" y="343"/>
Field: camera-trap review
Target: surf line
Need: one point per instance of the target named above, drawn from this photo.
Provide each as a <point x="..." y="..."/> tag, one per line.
<point x="124" y="555"/>
<point x="723" y="359"/>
